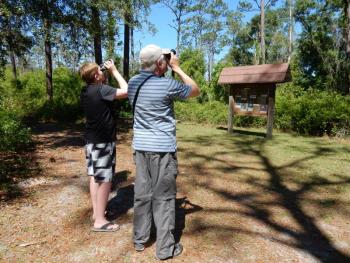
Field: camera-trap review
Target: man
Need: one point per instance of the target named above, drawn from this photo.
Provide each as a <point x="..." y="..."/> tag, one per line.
<point x="100" y="135"/>
<point x="154" y="144"/>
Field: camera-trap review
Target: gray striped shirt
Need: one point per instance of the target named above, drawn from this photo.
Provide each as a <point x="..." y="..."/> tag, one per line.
<point x="154" y="120"/>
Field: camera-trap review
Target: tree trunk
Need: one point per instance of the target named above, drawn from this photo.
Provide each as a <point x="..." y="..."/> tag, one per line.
<point x="14" y="68"/>
<point x="270" y="111"/>
<point x="348" y="44"/>
<point x="178" y="37"/>
<point x="132" y="40"/>
<point x="126" y="61"/>
<point x="262" y="30"/>
<point x="231" y="104"/>
<point x="96" y="29"/>
<point x="208" y="67"/>
<point x="48" y="55"/>
<point x="10" y="43"/>
<point x="132" y="48"/>
<point x="110" y="34"/>
<point x="48" y="60"/>
<point x="126" y="51"/>
<point x="210" y="64"/>
<point x="290" y="47"/>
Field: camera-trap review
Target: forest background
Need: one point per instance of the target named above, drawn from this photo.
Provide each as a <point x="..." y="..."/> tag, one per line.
<point x="43" y="43"/>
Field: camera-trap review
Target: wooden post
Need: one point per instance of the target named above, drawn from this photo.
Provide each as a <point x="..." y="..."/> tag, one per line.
<point x="230" y="114"/>
<point x="270" y="111"/>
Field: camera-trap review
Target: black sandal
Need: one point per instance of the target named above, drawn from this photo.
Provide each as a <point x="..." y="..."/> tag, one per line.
<point x="105" y="228"/>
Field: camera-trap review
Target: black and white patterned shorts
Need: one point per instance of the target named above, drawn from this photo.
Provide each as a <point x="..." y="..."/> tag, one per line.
<point x="100" y="161"/>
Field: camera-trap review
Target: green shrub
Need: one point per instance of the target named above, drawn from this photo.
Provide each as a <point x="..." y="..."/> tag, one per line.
<point x="29" y="98"/>
<point x="14" y="136"/>
<point x="193" y="63"/>
<point x="58" y="111"/>
<point x="210" y="112"/>
<point x="249" y="121"/>
<point x="219" y="92"/>
<point x="66" y="98"/>
<point x="213" y="112"/>
<point x="66" y="86"/>
<point x="32" y="92"/>
<point x="312" y="112"/>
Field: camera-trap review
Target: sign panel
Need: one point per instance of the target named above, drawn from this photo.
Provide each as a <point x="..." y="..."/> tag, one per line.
<point x="250" y="100"/>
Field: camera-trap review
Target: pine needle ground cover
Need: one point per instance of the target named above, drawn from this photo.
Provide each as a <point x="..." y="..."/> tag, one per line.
<point x="241" y="198"/>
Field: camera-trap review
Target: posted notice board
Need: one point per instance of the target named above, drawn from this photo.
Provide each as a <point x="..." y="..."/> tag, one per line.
<point x="250" y="100"/>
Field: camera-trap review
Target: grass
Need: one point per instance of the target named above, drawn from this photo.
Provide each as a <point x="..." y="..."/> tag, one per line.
<point x="302" y="158"/>
<point x="281" y="189"/>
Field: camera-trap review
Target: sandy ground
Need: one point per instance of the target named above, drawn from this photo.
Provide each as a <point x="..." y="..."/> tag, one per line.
<point x="51" y="221"/>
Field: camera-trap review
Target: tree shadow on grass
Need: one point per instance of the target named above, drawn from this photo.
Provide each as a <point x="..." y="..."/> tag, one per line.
<point x="119" y="205"/>
<point x="123" y="200"/>
<point x="183" y="207"/>
<point x="120" y="179"/>
<point x="310" y="237"/>
<point x="244" y="132"/>
<point x="56" y="135"/>
<point x="72" y="135"/>
<point x="14" y="169"/>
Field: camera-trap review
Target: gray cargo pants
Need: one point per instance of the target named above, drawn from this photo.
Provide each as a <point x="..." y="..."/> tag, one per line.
<point x="155" y="193"/>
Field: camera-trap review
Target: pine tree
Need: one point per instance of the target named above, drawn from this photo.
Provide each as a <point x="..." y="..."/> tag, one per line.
<point x="247" y="6"/>
<point x="180" y="9"/>
<point x="13" y="41"/>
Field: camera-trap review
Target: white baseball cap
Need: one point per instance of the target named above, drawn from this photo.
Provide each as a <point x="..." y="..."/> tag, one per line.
<point x="151" y="53"/>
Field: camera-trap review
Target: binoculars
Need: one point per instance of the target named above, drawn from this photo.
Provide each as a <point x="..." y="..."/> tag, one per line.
<point x="168" y="56"/>
<point x="102" y="67"/>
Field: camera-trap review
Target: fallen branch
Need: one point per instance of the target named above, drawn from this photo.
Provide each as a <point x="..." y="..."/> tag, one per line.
<point x="31" y="243"/>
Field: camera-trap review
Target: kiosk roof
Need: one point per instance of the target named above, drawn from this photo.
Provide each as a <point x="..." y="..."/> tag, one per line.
<point x="267" y="73"/>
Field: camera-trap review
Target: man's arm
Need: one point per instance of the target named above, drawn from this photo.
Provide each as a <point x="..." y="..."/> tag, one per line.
<point x="123" y="91"/>
<point x="174" y="64"/>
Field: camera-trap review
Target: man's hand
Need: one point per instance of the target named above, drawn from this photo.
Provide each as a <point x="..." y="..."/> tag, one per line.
<point x="123" y="91"/>
<point x="109" y="64"/>
<point x="174" y="63"/>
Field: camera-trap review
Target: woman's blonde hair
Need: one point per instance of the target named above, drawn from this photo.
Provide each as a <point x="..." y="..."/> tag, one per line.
<point x="87" y="72"/>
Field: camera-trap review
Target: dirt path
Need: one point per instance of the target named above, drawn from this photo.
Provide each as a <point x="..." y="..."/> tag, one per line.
<point x="52" y="222"/>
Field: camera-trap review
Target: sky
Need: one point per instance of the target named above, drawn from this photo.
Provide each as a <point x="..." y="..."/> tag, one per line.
<point x="165" y="37"/>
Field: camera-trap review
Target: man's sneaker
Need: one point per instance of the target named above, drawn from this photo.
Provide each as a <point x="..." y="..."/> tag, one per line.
<point x="178" y="248"/>
<point x="139" y="247"/>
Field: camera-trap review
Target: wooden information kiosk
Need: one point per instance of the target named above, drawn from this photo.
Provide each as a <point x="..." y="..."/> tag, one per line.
<point x="252" y="90"/>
